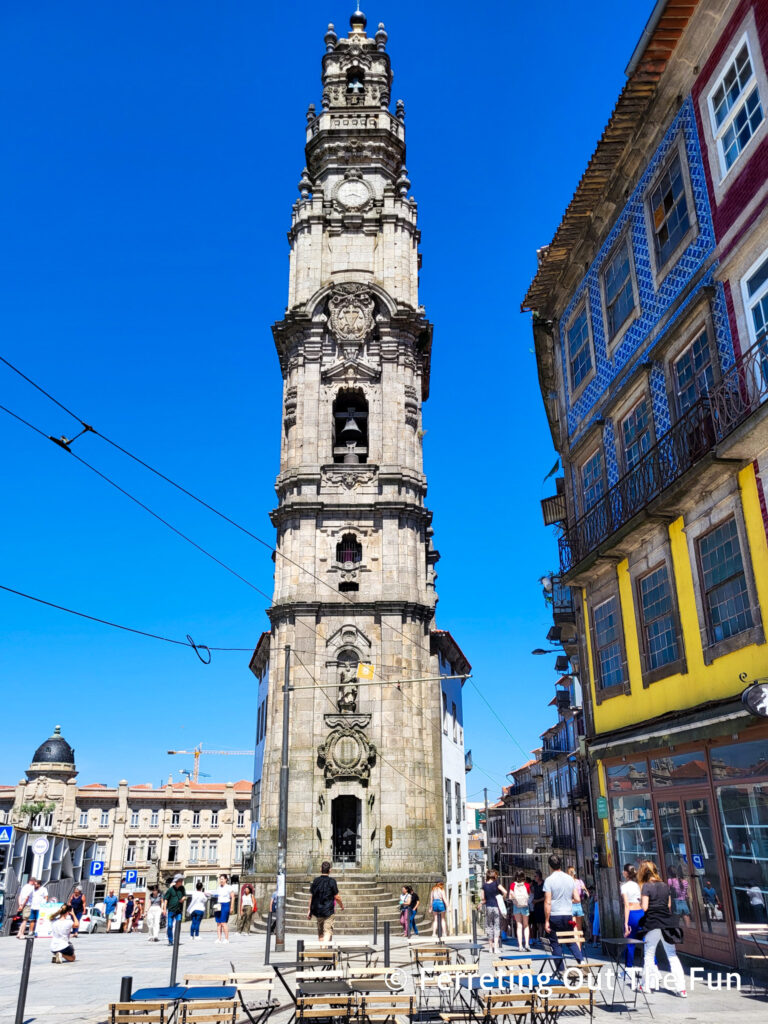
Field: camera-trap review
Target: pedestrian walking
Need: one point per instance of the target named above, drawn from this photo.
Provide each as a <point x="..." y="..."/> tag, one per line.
<point x="224" y="896"/>
<point x="558" y="910"/>
<point x="77" y="902"/>
<point x="138" y="916"/>
<point x="412" y="909"/>
<point x="661" y="926"/>
<point x="246" y="910"/>
<point x="633" y="911"/>
<point x="536" y="905"/>
<point x="324" y="894"/>
<point x="63" y="925"/>
<point x="154" y="913"/>
<point x="438" y="902"/>
<point x="24" y="907"/>
<point x="128" y="914"/>
<point x="580" y="896"/>
<point x="521" y="894"/>
<point x="403" y="902"/>
<point x="173" y="905"/>
<point x="198" y="901"/>
<point x="110" y="902"/>
<point x="493" y="900"/>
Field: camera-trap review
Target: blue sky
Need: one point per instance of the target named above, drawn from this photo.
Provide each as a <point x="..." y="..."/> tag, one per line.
<point x="149" y="161"/>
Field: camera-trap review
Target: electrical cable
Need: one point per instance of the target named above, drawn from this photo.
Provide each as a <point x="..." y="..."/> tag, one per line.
<point x="215" y="511"/>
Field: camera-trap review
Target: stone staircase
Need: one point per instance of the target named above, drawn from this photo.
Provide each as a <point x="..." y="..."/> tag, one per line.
<point x="359" y="896"/>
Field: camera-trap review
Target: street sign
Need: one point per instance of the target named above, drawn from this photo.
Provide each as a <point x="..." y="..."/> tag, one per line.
<point x="365" y="670"/>
<point x="602" y="807"/>
<point x="130" y="877"/>
<point x="40" y="846"/>
<point x="698" y="861"/>
<point x="6" y="835"/>
<point x="97" y="868"/>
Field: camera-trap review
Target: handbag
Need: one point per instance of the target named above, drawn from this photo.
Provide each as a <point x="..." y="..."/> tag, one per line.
<point x="217" y="907"/>
<point x="501" y="904"/>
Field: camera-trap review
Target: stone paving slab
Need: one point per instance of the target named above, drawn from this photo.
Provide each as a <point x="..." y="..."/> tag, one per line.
<point x="78" y="993"/>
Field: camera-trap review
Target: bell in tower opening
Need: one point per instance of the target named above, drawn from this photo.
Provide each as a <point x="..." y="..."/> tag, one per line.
<point x="354" y="595"/>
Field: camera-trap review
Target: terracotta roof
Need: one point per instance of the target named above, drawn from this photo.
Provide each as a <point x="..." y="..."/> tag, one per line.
<point x="627" y="115"/>
<point x="96" y="785"/>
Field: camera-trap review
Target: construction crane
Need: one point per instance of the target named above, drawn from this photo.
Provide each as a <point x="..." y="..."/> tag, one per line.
<point x="198" y="750"/>
<point x="189" y="773"/>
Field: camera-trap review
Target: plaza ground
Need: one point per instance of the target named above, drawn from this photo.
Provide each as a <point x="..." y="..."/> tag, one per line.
<point x="78" y="993"/>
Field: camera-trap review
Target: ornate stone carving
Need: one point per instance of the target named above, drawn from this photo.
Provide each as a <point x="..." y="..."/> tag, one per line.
<point x="411" y="405"/>
<point x="351" y="312"/>
<point x="350" y="477"/>
<point x="347" y="753"/>
<point x="290" y="407"/>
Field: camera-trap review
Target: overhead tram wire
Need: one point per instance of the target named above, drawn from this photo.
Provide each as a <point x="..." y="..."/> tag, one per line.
<point x="270" y="547"/>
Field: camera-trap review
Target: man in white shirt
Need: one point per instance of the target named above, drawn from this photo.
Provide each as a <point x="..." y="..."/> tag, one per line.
<point x="32" y="896"/>
<point x="558" y="910"/>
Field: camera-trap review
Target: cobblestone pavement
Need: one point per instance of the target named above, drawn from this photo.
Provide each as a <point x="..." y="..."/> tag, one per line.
<point x="78" y="993"/>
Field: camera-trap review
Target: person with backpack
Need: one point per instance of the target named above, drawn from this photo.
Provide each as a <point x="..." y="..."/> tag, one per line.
<point x="520" y="893"/>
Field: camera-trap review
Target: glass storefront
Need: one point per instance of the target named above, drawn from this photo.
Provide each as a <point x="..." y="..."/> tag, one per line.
<point x="701" y="814"/>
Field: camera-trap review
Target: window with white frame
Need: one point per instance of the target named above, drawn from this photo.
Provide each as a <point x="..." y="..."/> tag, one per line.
<point x="241" y="819"/>
<point x="239" y="848"/>
<point x="194" y="851"/>
<point x="130" y="853"/>
<point x="693" y="373"/>
<point x="726" y="597"/>
<point x="636" y="434"/>
<point x="104" y="820"/>
<point x="619" y="291"/>
<point x="83" y="821"/>
<point x="579" y="350"/>
<point x="173" y="850"/>
<point x="448" y="800"/>
<point x="151" y="849"/>
<point x="213" y="850"/>
<point x="154" y="818"/>
<point x="195" y="819"/>
<point x="214" y="819"/>
<point x="101" y="851"/>
<point x="735" y="107"/>
<point x="609" y="657"/>
<point x="175" y="818"/>
<point x="134" y="819"/>
<point x="754" y="288"/>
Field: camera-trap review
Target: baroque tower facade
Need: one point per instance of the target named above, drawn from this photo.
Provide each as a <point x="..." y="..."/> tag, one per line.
<point x="355" y="564"/>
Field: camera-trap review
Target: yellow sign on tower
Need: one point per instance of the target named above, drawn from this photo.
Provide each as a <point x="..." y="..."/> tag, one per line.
<point x="365" y="670"/>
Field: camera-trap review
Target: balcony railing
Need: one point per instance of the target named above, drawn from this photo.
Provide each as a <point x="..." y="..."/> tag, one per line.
<point x="742" y="389"/>
<point x="552" y="753"/>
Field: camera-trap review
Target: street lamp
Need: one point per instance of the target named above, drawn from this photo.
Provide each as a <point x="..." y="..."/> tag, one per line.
<point x="540" y="650"/>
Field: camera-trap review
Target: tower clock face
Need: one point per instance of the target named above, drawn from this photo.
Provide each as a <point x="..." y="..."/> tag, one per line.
<point x="352" y="194"/>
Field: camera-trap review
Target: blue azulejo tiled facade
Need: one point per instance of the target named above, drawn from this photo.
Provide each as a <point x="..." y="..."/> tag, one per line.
<point x="655" y="298"/>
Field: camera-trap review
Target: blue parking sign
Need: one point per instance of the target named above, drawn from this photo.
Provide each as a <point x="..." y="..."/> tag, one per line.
<point x="698" y="861"/>
<point x="97" y="868"/>
<point x="130" y="877"/>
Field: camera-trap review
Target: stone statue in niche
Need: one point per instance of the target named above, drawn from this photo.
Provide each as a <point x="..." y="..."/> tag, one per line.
<point x="347" y="702"/>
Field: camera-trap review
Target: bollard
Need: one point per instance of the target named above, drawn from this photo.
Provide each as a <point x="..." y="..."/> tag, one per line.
<point x="25" y="968"/>
<point x="474" y="925"/>
<point x="269" y="938"/>
<point x="299" y="949"/>
<point x="455" y="921"/>
<point x="439" y="927"/>
<point x="386" y="943"/>
<point x="375" y="924"/>
<point x="175" y="954"/>
<point x="126" y="990"/>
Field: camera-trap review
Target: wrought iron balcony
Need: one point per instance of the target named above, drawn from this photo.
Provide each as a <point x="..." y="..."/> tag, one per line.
<point x="741" y="391"/>
<point x="553" y="752"/>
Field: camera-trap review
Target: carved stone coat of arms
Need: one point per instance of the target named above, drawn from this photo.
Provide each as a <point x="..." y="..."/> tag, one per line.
<point x="350" y="311"/>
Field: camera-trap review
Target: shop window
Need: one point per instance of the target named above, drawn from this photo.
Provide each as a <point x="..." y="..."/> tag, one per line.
<point x="627" y="776"/>
<point x="724" y="585"/>
<point x="659" y="624"/>
<point x="633" y="829"/>
<point x="693" y="373"/>
<point x="744" y="820"/>
<point x="740" y="760"/>
<point x="679" y="769"/>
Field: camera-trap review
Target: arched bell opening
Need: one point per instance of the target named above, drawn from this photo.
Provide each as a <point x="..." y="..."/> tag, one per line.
<point x="350" y="428"/>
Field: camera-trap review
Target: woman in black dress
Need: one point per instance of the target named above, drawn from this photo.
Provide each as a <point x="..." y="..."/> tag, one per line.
<point x="77" y="902"/>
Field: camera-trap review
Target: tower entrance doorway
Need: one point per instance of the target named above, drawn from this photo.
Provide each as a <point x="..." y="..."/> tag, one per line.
<point x="346" y="822"/>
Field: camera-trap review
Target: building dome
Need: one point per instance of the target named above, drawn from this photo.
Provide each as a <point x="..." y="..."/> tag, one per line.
<point x="53" y="757"/>
<point x="358" y="19"/>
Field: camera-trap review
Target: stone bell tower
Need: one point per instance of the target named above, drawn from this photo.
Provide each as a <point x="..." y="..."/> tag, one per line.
<point x="354" y="569"/>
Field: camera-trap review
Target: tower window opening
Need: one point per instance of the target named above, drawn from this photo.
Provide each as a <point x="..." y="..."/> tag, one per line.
<point x="355" y="82"/>
<point x="349" y="549"/>
<point x="350" y="428"/>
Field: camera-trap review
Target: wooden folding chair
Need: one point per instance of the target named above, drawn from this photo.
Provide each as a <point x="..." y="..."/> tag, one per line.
<point x="564" y="1000"/>
<point x="204" y="980"/>
<point x="516" y="1005"/>
<point x="255" y="990"/>
<point x="208" y="1011"/>
<point x="145" y="1013"/>
<point x="323" y="1008"/>
<point x="382" y="1008"/>
<point x="353" y="971"/>
<point x="325" y="959"/>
